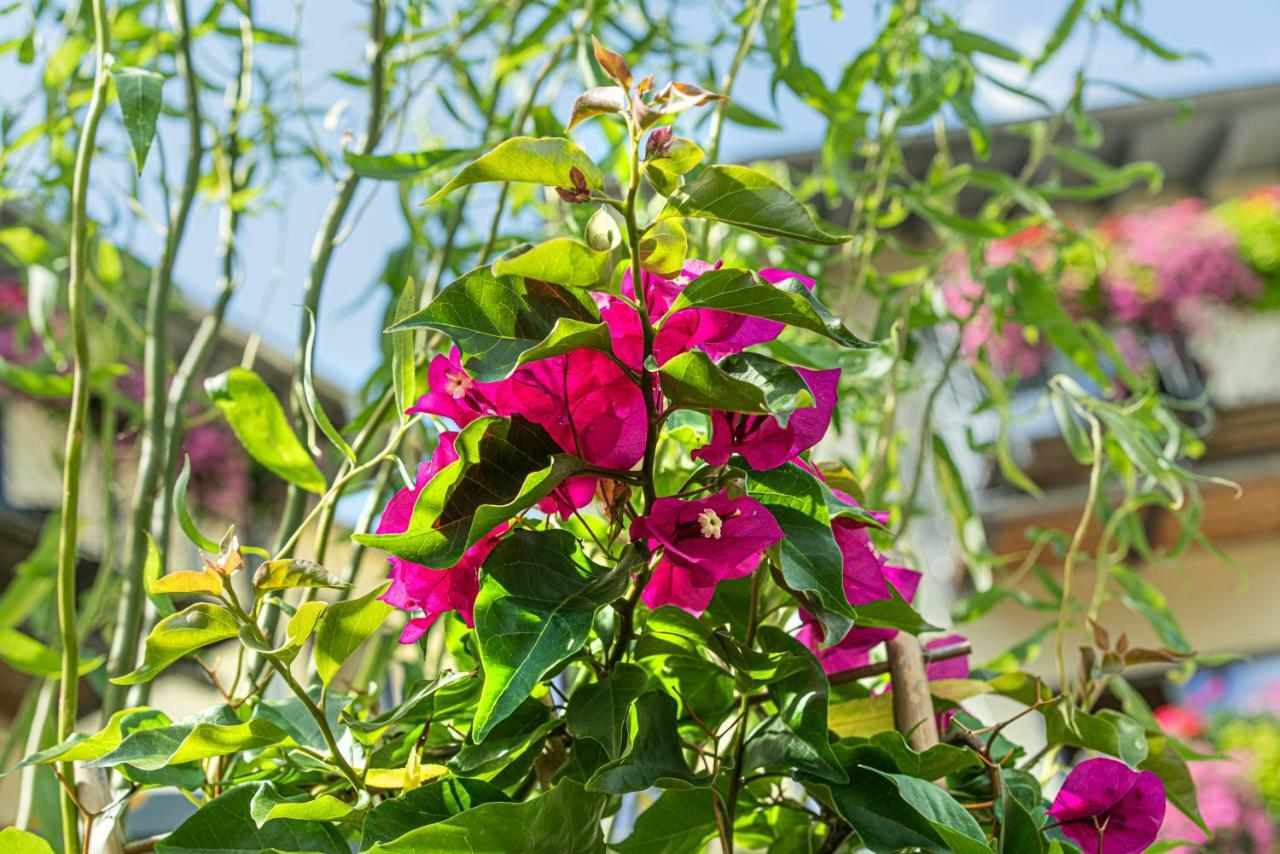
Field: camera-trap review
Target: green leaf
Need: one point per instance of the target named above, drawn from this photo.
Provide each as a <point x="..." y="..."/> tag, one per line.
<point x="741" y="382"/>
<point x="545" y="160"/>
<point x="216" y="731"/>
<point x="861" y="717"/>
<point x="682" y="155"/>
<point x="418" y="700"/>
<point x="1019" y="833"/>
<point x="178" y="634"/>
<point x="17" y="841"/>
<point x="140" y="93"/>
<point x="748" y="199"/>
<point x="314" y="406"/>
<point x="258" y="419"/>
<point x="1142" y="596"/>
<point x="434" y="802"/>
<point x="405" y="164"/>
<point x="795" y="737"/>
<point x="663" y="249"/>
<point x="1164" y="760"/>
<point x="744" y="292"/>
<point x="811" y="560"/>
<point x="297" y="631"/>
<point x="935" y="763"/>
<point x="502" y="322"/>
<point x="871" y="802"/>
<point x="291" y="573"/>
<point x="226" y="825"/>
<point x="565" y="820"/>
<point x="26" y="654"/>
<point x="968" y="524"/>
<point x="679" y="822"/>
<point x="1061" y="32"/>
<point x="504" y="467"/>
<point x="151" y="571"/>
<point x="1108" y="731"/>
<point x="35" y="383"/>
<point x="183" y="515"/>
<point x="344" y="627"/>
<point x="561" y="260"/>
<point x="292" y="716"/>
<point x="655" y="757"/>
<point x="538" y="598"/>
<point x="80" y="747"/>
<point x="599" y="710"/>
<point x="959" y="830"/>
<point x="404" y="374"/>
<point x="270" y="803"/>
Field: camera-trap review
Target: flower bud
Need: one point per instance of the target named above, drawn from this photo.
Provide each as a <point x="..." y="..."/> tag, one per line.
<point x="659" y="143"/>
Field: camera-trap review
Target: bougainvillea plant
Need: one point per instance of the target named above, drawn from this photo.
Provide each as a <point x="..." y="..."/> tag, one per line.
<point x="639" y="487"/>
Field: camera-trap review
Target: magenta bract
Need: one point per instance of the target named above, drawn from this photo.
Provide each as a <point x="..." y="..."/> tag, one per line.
<point x="703" y="542"/>
<point x="1105" y="807"/>
<point x="761" y="440"/>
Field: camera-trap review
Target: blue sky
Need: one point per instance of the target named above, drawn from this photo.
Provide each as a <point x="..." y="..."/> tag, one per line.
<point x="1238" y="37"/>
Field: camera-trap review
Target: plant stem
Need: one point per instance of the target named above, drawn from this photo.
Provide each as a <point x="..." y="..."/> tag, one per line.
<point x="130" y="622"/>
<point x="73" y="457"/>
<point x="730" y="809"/>
<point x="1073" y="551"/>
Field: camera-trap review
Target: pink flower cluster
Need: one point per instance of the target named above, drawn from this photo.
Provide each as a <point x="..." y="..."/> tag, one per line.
<point x="1010" y="346"/>
<point x="1168" y="261"/>
<point x="592" y="408"/>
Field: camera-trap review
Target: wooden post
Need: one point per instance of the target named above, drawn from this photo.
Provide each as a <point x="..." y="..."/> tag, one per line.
<point x="912" y="704"/>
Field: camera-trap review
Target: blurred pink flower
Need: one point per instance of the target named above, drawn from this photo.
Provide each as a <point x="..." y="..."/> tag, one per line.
<point x="1167" y="261"/>
<point x="1231" y="807"/>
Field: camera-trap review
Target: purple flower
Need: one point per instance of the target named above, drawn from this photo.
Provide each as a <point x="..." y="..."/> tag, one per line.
<point x="761" y="440"/>
<point x="1105" y="807"/>
<point x="703" y="542"/>
<point x="434" y="591"/>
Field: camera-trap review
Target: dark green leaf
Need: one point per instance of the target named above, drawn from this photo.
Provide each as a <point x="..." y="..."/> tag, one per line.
<point x="870" y="801"/>
<point x="744" y="292"/>
<point x="741" y="382"/>
<point x="140" y="94"/>
<point x="679" y="822"/>
<point x="565" y="820"/>
<point x="655" y="757"/>
<point x="545" y="161"/>
<point x="259" y="422"/>
<point x="225" y="825"/>
<point x="413" y="706"/>
<point x="1108" y="731"/>
<point x="504" y="467"/>
<point x="748" y="199"/>
<point x="502" y="322"/>
<point x="1164" y="760"/>
<point x="796" y="737"/>
<point x="538" y="598"/>
<point x="958" y="829"/>
<point x="933" y="764"/>
<point x="432" y="803"/>
<point x="599" y="710"/>
<point x="811" y="560"/>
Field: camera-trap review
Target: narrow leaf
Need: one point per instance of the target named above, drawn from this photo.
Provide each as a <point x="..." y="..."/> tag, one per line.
<point x="140" y="94"/>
